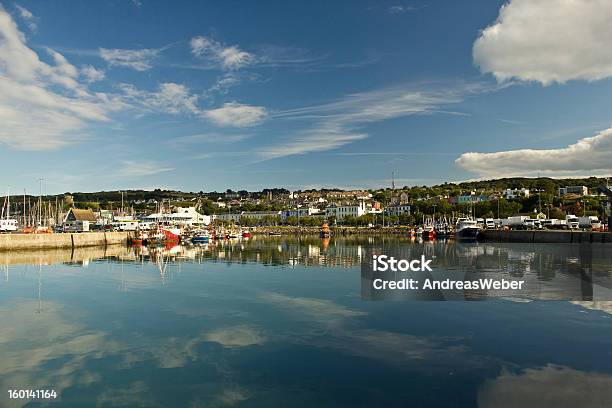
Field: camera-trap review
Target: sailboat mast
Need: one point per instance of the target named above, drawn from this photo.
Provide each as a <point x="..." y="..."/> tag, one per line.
<point x="40" y="205"/>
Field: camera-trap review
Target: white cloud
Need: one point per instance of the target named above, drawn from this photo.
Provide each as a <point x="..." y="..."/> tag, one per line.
<point x="168" y="98"/>
<point x="42" y="106"/>
<point x="28" y="17"/>
<point x="588" y="156"/>
<point x="546" y="387"/>
<point x="228" y="57"/>
<point x="187" y="142"/>
<point x="336" y="124"/>
<point x="142" y="169"/>
<point x="548" y="41"/>
<point x="140" y="60"/>
<point x="397" y="9"/>
<point x="91" y="73"/>
<point x="177" y="99"/>
<point x="309" y="143"/>
<point x="236" y="115"/>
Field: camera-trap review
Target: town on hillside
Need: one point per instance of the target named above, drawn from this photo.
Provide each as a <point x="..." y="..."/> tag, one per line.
<point x="493" y="200"/>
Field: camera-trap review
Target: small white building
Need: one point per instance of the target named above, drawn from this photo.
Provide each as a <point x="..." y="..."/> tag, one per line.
<point x="512" y="193"/>
<point x="78" y="220"/>
<point x="183" y="216"/>
<point x="227" y="217"/>
<point x="342" y="211"/>
<point x="301" y="213"/>
<point x="397" y="209"/>
<point x="258" y="215"/>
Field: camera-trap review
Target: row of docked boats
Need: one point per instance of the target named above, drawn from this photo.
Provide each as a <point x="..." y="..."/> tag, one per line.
<point x="167" y="234"/>
<point x="465" y="229"/>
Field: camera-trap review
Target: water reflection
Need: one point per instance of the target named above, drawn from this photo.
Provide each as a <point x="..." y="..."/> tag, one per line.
<point x="268" y="322"/>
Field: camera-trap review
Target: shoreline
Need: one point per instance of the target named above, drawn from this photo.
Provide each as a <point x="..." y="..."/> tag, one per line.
<point x="509" y="236"/>
<point x="335" y="231"/>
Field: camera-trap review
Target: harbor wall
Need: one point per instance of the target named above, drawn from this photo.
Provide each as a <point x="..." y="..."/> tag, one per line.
<point x="548" y="237"/>
<point x="11" y="242"/>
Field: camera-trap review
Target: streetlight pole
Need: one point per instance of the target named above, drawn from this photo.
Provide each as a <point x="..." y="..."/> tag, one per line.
<point x="498" y="207"/>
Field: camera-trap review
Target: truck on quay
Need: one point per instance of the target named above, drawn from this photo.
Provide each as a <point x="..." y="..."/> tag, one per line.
<point x="531" y="223"/>
<point x="590" y="221"/>
<point x="572" y="221"/>
<point x="517" y="222"/>
<point x="554" y="223"/>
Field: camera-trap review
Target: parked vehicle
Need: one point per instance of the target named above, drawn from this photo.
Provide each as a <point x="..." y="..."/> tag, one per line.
<point x="489" y="223"/>
<point x="517" y="222"/>
<point x="531" y="223"/>
<point x="572" y="221"/>
<point x="591" y="222"/>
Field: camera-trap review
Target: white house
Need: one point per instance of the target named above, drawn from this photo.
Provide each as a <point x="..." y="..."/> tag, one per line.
<point x="301" y="212"/>
<point x="341" y="211"/>
<point x="78" y="220"/>
<point x="397" y="209"/>
<point x="512" y="193"/>
<point x="184" y="216"/>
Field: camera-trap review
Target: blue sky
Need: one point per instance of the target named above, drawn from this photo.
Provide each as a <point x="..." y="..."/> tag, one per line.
<point x="248" y="95"/>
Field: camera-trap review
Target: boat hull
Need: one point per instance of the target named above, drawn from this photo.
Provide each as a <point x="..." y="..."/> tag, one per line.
<point x="171" y="234"/>
<point x="199" y="240"/>
<point x="467" y="235"/>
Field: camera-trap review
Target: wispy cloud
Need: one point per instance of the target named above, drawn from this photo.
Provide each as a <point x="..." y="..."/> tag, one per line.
<point x="177" y="99"/>
<point x="230" y="57"/>
<point x="91" y="73"/>
<point x="338" y="123"/>
<point x="28" y="17"/>
<point x="140" y="60"/>
<point x="402" y="8"/>
<point x="169" y="98"/>
<point x="142" y="168"/>
<point x="42" y="106"/>
<point x="587" y="157"/>
<point x="236" y="115"/>
<point x="188" y="141"/>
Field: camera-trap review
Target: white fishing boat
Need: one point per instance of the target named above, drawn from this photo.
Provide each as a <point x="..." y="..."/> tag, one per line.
<point x="467" y="230"/>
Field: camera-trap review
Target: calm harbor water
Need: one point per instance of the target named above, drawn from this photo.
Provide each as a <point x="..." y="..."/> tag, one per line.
<point x="280" y="322"/>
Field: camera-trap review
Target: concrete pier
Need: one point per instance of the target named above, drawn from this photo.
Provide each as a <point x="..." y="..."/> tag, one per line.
<point x="548" y="237"/>
<point x="13" y="242"/>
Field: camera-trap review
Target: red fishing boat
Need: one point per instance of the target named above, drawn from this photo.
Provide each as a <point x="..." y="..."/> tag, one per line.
<point x="172" y="234"/>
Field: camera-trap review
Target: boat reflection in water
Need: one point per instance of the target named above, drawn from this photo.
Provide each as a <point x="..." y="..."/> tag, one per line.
<point x="275" y="322"/>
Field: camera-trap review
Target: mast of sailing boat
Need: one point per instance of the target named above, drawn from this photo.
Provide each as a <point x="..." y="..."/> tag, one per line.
<point x="40" y="205"/>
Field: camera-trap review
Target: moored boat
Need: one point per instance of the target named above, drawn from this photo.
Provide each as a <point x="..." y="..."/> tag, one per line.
<point x="171" y="234"/>
<point x="467" y="230"/>
<point x="325" y="231"/>
<point x="200" y="239"/>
